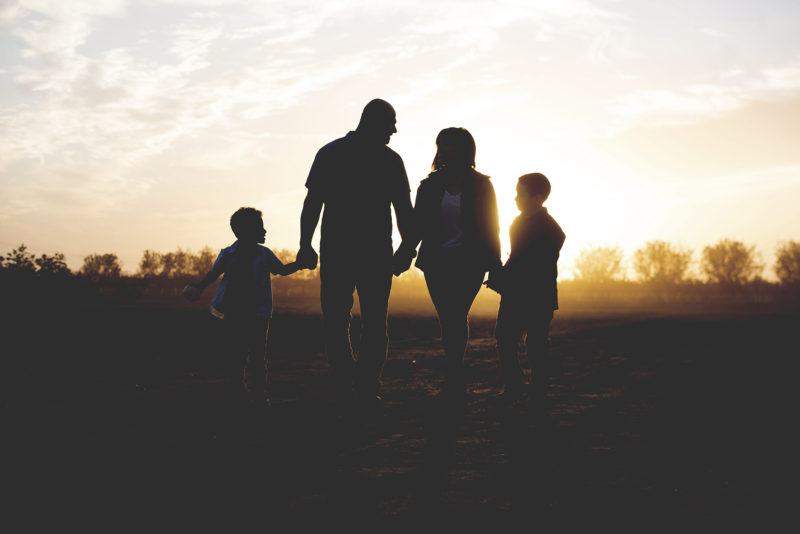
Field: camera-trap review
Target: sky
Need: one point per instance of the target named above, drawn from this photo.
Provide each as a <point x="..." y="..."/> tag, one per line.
<point x="133" y="125"/>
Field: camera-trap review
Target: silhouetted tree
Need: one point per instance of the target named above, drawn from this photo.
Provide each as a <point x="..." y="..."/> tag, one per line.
<point x="54" y="264"/>
<point x="20" y="259"/>
<point x="599" y="264"/>
<point x="787" y="262"/>
<point x="730" y="262"/>
<point x="178" y="263"/>
<point x="150" y="264"/>
<point x="203" y="261"/>
<point x="661" y="262"/>
<point x="98" y="266"/>
<point x="169" y="265"/>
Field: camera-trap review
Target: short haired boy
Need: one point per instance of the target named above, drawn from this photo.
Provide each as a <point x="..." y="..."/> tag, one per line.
<point x="244" y="299"/>
<point x="527" y="283"/>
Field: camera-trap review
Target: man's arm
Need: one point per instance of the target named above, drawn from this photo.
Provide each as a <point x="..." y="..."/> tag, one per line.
<point x="312" y="207"/>
<point x="406" y="225"/>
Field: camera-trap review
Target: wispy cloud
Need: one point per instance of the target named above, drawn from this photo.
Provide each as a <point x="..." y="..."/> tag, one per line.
<point x="697" y="102"/>
<point x="109" y="103"/>
<point x="712" y="32"/>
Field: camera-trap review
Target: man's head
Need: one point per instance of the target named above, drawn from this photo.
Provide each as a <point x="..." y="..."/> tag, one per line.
<point x="247" y="225"/>
<point x="532" y="190"/>
<point x="378" y="121"/>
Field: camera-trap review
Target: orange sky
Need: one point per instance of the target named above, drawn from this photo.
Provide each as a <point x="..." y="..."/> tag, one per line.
<point x="134" y="125"/>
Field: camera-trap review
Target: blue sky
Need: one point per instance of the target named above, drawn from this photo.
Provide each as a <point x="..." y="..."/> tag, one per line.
<point x="133" y="125"/>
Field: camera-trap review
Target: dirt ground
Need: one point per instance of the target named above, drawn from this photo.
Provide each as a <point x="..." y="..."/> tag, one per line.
<point x="122" y="413"/>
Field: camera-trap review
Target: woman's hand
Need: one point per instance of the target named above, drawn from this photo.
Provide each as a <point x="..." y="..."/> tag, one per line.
<point x="401" y="261"/>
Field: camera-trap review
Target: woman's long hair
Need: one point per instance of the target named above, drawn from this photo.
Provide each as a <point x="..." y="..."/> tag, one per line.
<point x="461" y="140"/>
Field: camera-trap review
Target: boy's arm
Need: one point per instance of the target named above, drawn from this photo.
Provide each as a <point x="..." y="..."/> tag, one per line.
<point x="287" y="269"/>
<point x="215" y="272"/>
<point x="192" y="291"/>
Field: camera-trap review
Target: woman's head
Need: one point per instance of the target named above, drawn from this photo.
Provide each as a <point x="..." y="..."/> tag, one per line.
<point x="455" y="148"/>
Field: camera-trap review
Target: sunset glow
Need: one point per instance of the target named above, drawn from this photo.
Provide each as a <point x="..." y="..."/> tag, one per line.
<point x="127" y="126"/>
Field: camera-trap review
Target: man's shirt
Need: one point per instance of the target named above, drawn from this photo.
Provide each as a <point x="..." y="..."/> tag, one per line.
<point x="357" y="181"/>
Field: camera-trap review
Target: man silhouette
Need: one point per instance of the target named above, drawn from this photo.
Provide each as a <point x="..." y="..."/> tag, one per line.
<point x="357" y="179"/>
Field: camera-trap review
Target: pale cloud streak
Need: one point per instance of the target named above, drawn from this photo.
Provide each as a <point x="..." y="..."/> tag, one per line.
<point x="223" y="87"/>
<point x="698" y="102"/>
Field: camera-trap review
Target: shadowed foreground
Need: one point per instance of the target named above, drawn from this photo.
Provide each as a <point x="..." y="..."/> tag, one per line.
<point x="121" y="415"/>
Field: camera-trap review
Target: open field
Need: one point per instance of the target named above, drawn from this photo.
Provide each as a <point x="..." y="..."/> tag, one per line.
<point x="121" y="412"/>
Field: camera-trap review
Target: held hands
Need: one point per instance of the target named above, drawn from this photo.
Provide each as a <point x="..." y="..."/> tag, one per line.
<point x="401" y="261"/>
<point x="495" y="280"/>
<point x="307" y="257"/>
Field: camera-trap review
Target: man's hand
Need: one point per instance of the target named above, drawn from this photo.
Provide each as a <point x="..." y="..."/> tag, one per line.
<point x="307" y="257"/>
<point x="495" y="281"/>
<point x="401" y="261"/>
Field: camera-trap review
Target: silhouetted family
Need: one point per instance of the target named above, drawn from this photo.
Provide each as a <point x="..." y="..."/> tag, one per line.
<point x="353" y="183"/>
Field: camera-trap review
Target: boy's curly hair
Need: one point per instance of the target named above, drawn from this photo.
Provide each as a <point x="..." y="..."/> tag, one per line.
<point x="245" y="220"/>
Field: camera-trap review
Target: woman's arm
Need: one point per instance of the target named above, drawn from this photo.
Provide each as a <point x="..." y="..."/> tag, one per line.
<point x="492" y="226"/>
<point x="411" y="233"/>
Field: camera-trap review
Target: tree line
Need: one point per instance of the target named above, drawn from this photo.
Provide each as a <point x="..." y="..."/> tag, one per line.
<point x="728" y="262"/>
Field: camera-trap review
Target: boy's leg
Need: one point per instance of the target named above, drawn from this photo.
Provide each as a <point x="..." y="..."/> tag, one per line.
<point x="237" y="334"/>
<point x="508" y="332"/>
<point x="537" y="347"/>
<point x="337" y="284"/>
<point x="256" y="372"/>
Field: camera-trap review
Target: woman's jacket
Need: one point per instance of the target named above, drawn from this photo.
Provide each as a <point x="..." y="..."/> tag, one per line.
<point x="480" y="228"/>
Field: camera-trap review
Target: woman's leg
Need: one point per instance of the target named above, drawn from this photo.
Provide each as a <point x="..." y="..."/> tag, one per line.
<point x="452" y="292"/>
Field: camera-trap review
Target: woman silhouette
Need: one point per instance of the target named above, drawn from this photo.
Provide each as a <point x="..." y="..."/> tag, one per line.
<point x="455" y="216"/>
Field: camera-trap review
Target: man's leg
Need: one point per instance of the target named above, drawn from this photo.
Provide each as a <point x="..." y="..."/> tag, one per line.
<point x="374" y="285"/>
<point x="337" y="284"/>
